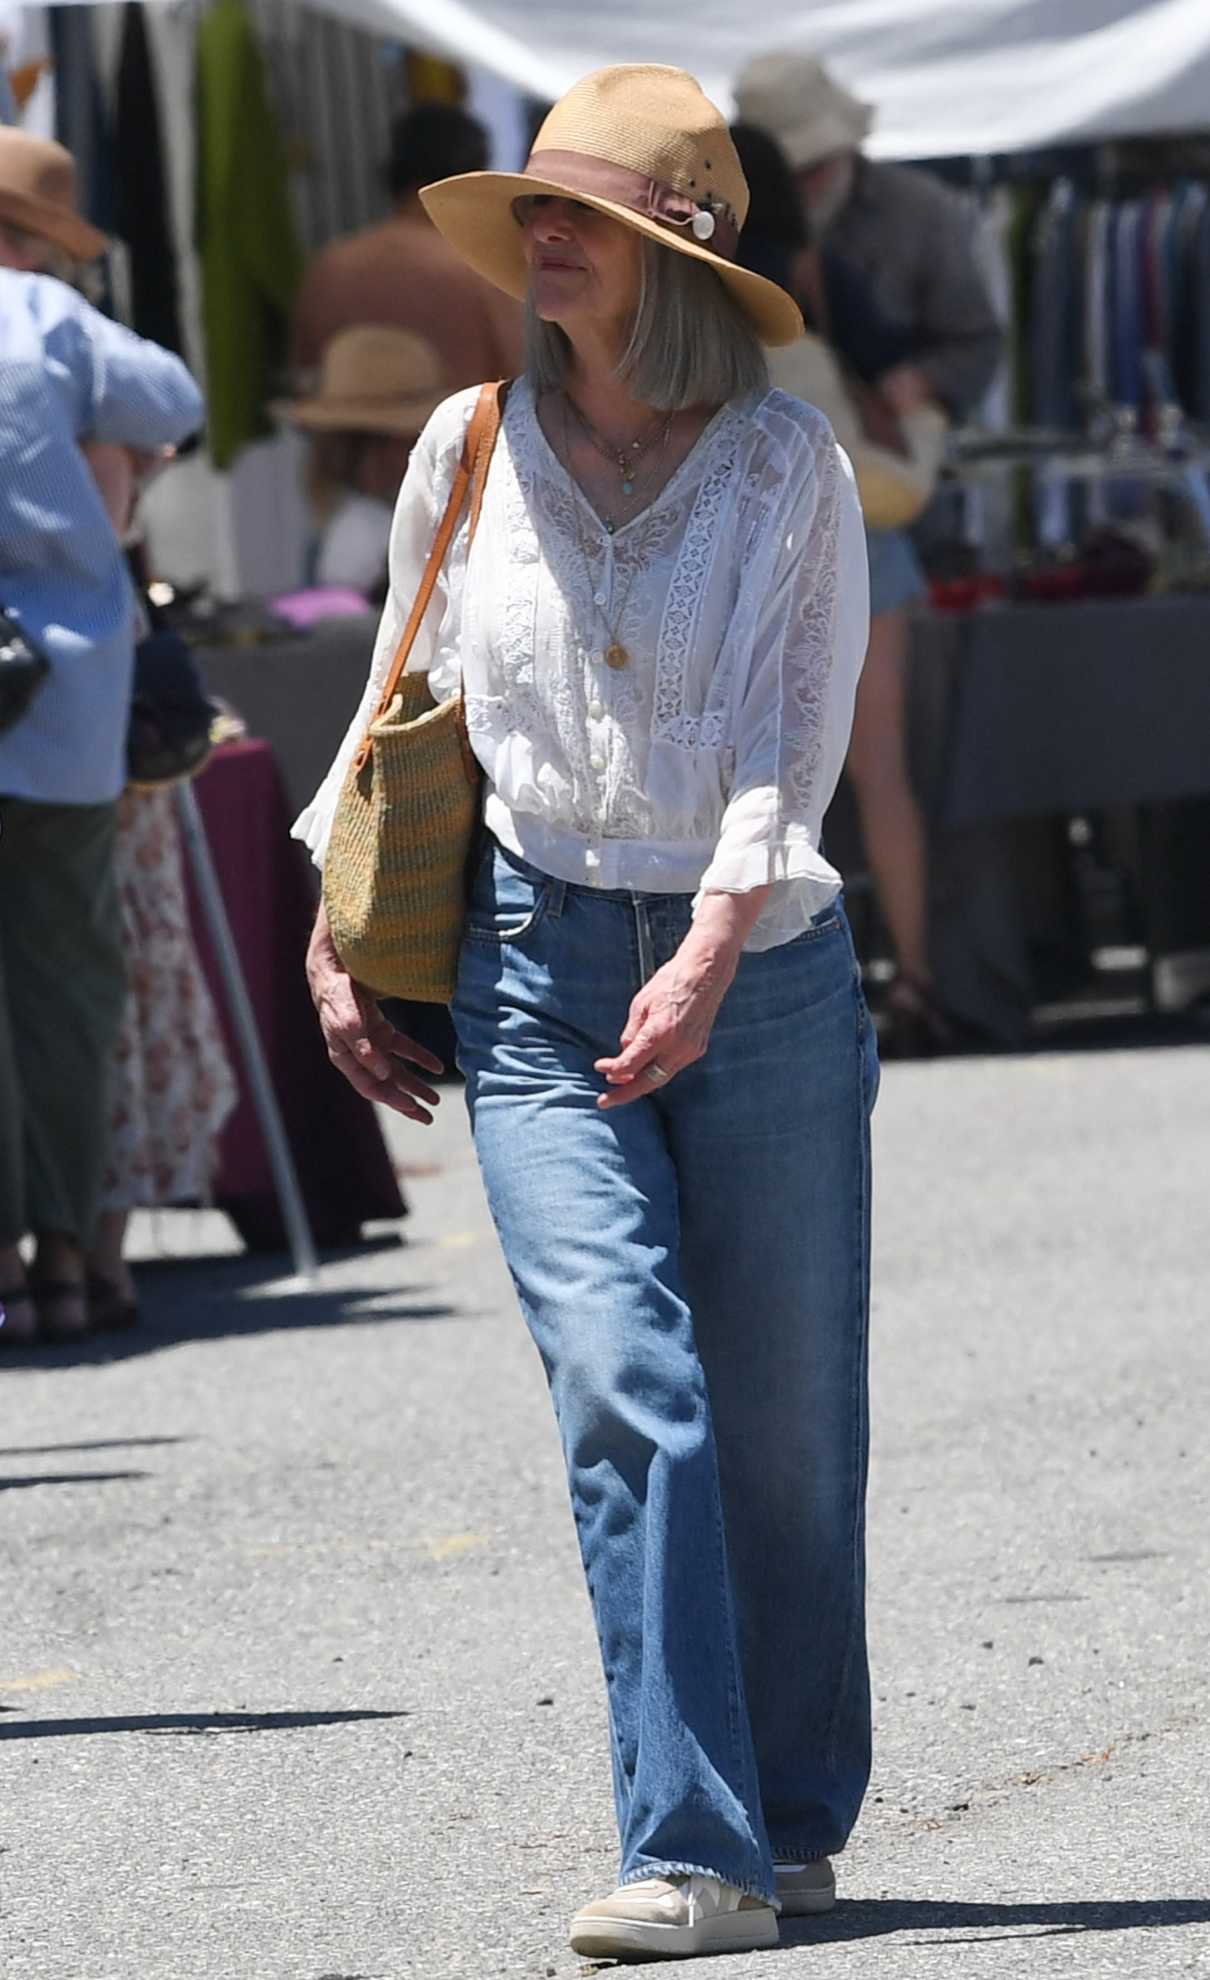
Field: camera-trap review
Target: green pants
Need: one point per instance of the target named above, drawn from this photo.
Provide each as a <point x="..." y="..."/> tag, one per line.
<point x="62" y="985"/>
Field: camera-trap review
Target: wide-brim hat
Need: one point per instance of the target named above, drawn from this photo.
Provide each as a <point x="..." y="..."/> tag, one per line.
<point x="373" y="378"/>
<point x="38" y="193"/>
<point x="644" y="144"/>
<point x="795" y="99"/>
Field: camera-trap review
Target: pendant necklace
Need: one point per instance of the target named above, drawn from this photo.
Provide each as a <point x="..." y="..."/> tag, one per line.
<point x="624" y="459"/>
<point x="616" y="654"/>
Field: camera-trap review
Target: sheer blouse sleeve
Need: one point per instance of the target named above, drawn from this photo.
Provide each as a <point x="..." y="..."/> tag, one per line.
<point x="795" y="711"/>
<point x="418" y="512"/>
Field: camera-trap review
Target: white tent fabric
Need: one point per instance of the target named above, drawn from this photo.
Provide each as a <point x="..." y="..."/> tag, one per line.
<point x="948" y="76"/>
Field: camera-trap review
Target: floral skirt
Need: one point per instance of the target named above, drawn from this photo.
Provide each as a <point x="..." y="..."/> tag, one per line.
<point x="172" y="1084"/>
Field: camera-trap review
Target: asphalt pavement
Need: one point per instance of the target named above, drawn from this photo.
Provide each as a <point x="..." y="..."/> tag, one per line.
<point x="297" y="1675"/>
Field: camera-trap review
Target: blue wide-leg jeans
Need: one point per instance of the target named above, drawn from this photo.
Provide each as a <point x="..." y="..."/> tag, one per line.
<point x="694" y="1269"/>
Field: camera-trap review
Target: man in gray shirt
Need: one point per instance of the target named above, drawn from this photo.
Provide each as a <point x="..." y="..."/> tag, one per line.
<point x="906" y="234"/>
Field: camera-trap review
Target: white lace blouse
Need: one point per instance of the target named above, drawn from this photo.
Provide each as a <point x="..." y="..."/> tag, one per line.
<point x="741" y="596"/>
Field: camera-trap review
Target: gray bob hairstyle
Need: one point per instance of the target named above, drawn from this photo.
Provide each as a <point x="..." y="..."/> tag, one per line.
<point x="690" y="344"/>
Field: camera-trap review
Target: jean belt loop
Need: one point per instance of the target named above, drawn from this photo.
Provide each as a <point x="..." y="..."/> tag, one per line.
<point x="556" y="895"/>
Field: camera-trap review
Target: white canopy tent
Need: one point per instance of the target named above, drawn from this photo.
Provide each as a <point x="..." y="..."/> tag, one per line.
<point x="948" y="76"/>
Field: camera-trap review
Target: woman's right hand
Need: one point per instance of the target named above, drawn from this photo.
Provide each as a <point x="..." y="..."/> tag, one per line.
<point x="361" y="1044"/>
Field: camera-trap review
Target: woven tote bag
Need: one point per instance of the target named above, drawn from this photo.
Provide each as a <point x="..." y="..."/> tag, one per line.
<point x="395" y="876"/>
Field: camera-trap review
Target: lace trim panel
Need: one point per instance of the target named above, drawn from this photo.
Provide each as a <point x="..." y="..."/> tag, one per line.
<point x="810" y="652"/>
<point x="671" y="721"/>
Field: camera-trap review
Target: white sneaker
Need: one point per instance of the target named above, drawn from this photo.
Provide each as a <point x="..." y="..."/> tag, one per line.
<point x="673" y="1918"/>
<point x="805" y="1887"/>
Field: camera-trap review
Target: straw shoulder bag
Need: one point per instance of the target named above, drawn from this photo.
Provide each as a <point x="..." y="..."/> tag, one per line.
<point x="395" y="875"/>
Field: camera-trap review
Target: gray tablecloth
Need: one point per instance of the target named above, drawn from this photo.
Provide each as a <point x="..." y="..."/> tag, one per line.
<point x="1017" y="713"/>
<point x="1068" y="708"/>
<point x="1024" y="713"/>
<point x="298" y="693"/>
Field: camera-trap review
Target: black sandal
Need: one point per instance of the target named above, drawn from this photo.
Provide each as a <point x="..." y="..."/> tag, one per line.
<point x="49" y="1293"/>
<point x="26" y="1335"/>
<point x="108" y="1306"/>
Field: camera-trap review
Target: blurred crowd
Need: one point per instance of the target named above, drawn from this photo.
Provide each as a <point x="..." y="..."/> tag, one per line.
<point x="113" y="1079"/>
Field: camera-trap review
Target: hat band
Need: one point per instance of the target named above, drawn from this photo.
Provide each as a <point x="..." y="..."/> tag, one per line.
<point x="711" y="222"/>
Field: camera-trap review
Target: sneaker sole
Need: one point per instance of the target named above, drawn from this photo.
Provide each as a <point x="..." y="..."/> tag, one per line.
<point x="634" y="1939"/>
<point x="807" y="1904"/>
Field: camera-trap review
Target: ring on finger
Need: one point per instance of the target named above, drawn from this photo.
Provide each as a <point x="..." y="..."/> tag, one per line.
<point x="657" y="1073"/>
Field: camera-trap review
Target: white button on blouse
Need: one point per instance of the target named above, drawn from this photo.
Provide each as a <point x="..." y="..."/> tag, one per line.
<point x="744" y="610"/>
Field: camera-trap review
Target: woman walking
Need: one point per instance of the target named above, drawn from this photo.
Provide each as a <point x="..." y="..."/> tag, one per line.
<point x="658" y="632"/>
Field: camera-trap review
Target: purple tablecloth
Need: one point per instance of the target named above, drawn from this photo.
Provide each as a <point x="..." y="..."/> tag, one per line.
<point x="344" y="1169"/>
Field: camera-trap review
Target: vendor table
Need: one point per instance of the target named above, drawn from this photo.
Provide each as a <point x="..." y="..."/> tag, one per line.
<point x="300" y="693"/>
<point x="1027" y="712"/>
<point x="343" y="1166"/>
<point x="1068" y="708"/>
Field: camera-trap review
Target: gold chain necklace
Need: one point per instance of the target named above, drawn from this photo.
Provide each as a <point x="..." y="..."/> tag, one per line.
<point x="616" y="654"/>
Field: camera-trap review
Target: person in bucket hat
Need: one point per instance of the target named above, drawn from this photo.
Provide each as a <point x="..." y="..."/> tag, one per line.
<point x="77" y="392"/>
<point x="669" y="1066"/>
<point x="377" y="388"/>
<point x="38" y="204"/>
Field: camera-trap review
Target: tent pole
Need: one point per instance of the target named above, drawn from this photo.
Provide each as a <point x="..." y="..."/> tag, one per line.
<point x="285" y="1176"/>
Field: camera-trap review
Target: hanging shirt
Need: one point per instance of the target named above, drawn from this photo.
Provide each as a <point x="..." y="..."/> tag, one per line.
<point x="1096" y="309"/>
<point x="247" y="245"/>
<point x="741" y="597"/>
<point x="1126" y="324"/>
<point x="67" y="374"/>
<point x="138" y="164"/>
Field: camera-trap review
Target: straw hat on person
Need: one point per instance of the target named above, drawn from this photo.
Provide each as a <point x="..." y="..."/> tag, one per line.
<point x="38" y="194"/>
<point x="795" y="99"/>
<point x="643" y="144"/>
<point x="373" y="379"/>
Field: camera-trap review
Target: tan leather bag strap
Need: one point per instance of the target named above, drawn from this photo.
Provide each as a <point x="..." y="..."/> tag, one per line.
<point x="471" y="477"/>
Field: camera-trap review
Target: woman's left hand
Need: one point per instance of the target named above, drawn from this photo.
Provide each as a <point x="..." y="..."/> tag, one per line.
<point x="673" y="1015"/>
<point x="669" y="1025"/>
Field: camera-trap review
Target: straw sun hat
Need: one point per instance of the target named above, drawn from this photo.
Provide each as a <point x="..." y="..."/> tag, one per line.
<point x="643" y="144"/>
<point x="373" y="379"/>
<point x="38" y="193"/>
<point x="795" y="99"/>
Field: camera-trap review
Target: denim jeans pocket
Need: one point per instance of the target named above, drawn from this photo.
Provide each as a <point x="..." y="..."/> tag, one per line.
<point x="831" y="921"/>
<point x="505" y="905"/>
